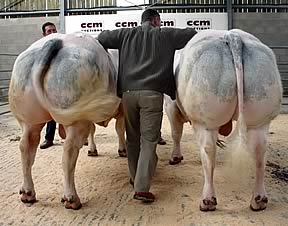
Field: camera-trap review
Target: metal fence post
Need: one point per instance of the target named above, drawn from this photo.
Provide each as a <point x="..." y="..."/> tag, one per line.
<point x="63" y="7"/>
<point x="229" y="14"/>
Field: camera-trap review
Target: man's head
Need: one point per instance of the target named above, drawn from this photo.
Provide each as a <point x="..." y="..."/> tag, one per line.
<point x="48" y="28"/>
<point x="151" y="15"/>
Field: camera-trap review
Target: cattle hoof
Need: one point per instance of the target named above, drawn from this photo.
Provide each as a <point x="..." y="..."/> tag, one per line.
<point x="122" y="153"/>
<point x="73" y="203"/>
<point x="175" y="160"/>
<point x="92" y="153"/>
<point x="208" y="204"/>
<point x="27" y="197"/>
<point x="73" y="206"/>
<point x="258" y="203"/>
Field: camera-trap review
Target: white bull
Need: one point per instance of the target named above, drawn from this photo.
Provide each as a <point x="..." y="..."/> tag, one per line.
<point x="71" y="79"/>
<point x="224" y="76"/>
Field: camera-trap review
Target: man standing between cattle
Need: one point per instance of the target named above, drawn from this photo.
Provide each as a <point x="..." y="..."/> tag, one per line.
<point x="145" y="72"/>
<point x="47" y="29"/>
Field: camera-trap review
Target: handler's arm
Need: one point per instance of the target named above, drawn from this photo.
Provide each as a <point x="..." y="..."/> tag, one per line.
<point x="110" y="39"/>
<point x="180" y="37"/>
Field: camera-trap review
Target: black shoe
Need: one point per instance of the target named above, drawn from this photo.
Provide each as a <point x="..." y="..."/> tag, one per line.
<point x="46" y="144"/>
<point x="161" y="141"/>
<point x="144" y="196"/>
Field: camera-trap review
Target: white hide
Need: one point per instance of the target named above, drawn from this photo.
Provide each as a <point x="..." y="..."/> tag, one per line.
<point x="206" y="81"/>
<point x="67" y="96"/>
<point x="224" y="75"/>
<point x="71" y="79"/>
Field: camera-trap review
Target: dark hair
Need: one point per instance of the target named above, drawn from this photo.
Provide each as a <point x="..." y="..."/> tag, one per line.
<point x="148" y="14"/>
<point x="47" y="24"/>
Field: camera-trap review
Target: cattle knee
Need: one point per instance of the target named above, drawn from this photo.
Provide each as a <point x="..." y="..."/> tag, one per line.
<point x="208" y="141"/>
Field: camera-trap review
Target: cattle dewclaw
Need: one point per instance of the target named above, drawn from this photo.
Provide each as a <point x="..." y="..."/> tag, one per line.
<point x="71" y="79"/>
<point x="223" y="76"/>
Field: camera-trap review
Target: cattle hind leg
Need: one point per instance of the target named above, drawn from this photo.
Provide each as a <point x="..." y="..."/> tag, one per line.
<point x="92" y="145"/>
<point x="76" y="137"/>
<point x="120" y="129"/>
<point x="257" y="139"/>
<point x="208" y="152"/>
<point x="176" y="132"/>
<point x="28" y="147"/>
<point x="176" y="124"/>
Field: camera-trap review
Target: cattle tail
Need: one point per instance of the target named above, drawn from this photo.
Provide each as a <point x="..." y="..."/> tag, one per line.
<point x="240" y="157"/>
<point x="48" y="52"/>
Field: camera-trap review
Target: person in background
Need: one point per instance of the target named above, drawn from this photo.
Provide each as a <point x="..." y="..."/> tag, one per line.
<point x="47" y="29"/>
<point x="145" y="73"/>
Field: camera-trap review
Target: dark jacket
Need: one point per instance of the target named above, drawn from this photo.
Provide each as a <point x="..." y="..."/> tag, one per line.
<point x="146" y="56"/>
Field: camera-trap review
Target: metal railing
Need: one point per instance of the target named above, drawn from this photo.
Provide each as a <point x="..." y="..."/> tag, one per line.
<point x="4" y="83"/>
<point x="283" y="69"/>
<point x="22" y="9"/>
<point x="64" y="8"/>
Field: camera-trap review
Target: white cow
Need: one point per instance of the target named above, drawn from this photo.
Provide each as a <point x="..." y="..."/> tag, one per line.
<point x="224" y="76"/>
<point x="71" y="79"/>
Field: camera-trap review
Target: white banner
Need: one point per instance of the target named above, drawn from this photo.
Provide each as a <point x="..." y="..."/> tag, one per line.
<point x="94" y="24"/>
